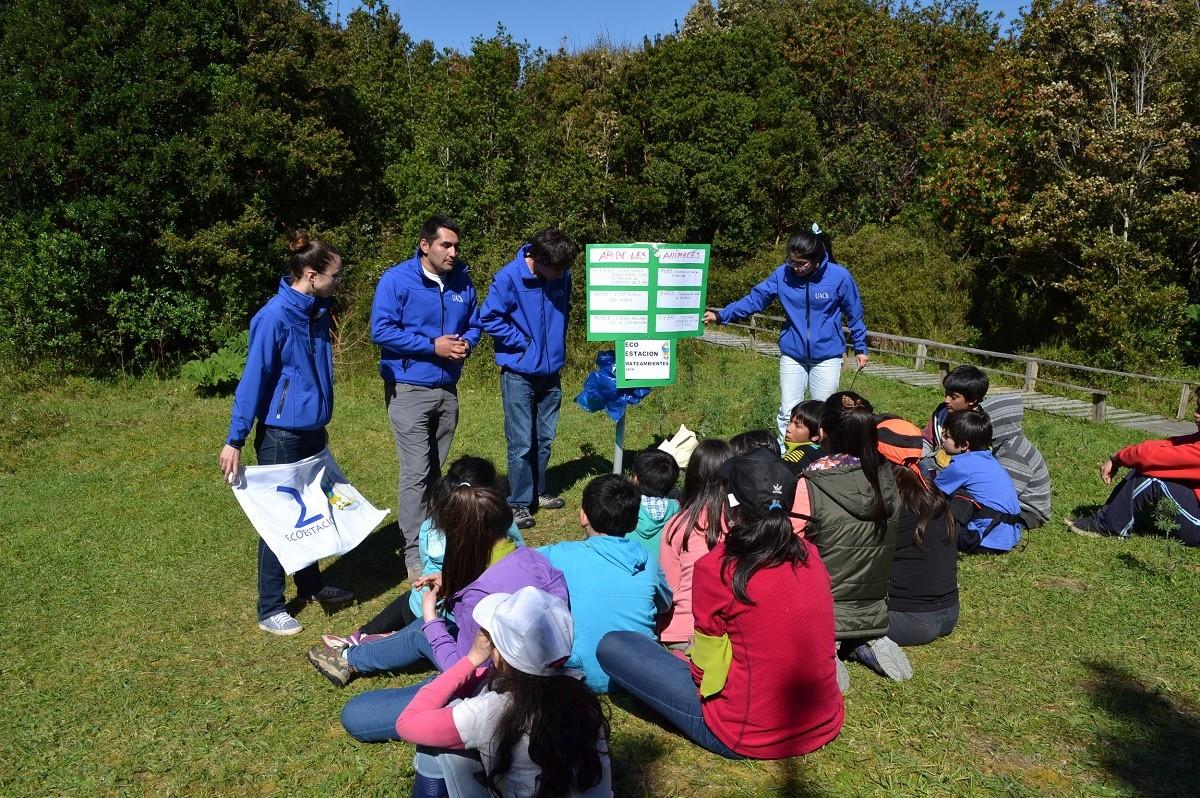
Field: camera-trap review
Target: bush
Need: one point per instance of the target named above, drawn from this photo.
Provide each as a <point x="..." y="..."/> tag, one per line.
<point x="218" y="374"/>
<point x="909" y="285"/>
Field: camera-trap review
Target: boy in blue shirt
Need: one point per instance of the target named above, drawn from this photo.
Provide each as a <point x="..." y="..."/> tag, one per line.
<point x="613" y="585"/>
<point x="983" y="499"/>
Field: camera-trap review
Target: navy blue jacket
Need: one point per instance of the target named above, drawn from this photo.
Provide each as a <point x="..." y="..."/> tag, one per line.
<point x="527" y="317"/>
<point x="814" y="306"/>
<point x="410" y="311"/>
<point x="288" y="379"/>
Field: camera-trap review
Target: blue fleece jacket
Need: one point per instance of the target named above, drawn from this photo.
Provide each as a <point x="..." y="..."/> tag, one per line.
<point x="410" y="311"/>
<point x="981" y="476"/>
<point x="527" y="317"/>
<point x="613" y="589"/>
<point x="814" y="306"/>
<point x="288" y="379"/>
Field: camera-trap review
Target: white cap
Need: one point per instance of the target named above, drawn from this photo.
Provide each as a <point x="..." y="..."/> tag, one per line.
<point x="532" y="629"/>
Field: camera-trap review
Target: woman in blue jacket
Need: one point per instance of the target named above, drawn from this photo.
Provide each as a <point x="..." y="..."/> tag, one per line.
<point x="287" y="387"/>
<point x="815" y="294"/>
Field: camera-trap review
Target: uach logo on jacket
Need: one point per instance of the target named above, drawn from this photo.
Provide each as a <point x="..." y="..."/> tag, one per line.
<point x="821" y="295"/>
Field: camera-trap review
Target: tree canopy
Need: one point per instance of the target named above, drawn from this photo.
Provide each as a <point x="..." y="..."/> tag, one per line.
<point x="154" y="152"/>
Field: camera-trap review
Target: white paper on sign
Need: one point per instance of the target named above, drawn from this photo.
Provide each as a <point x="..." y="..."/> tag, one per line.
<point x="648" y="360"/>
<point x="679" y="299"/>
<point x="681" y="256"/>
<point x="306" y="510"/>
<point x="677" y="322"/>
<point x="618" y="255"/>
<point x="613" y="277"/>
<point x="680" y="277"/>
<point x="618" y="300"/>
<point x="617" y="324"/>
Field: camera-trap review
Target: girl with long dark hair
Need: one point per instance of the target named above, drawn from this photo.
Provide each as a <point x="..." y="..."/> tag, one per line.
<point x="763" y="608"/>
<point x="537" y="729"/>
<point x="406" y="608"/>
<point x="855" y="508"/>
<point x="480" y="560"/>
<point x="923" y="588"/>
<point x="693" y="532"/>
<point x="815" y="294"/>
<point x="286" y="394"/>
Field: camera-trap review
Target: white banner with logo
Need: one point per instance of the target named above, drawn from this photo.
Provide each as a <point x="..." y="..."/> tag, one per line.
<point x="305" y="510"/>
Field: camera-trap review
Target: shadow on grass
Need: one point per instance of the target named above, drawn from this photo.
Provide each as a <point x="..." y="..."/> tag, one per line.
<point x="634" y="757"/>
<point x="564" y="476"/>
<point x="1151" y="739"/>
<point x="374" y="567"/>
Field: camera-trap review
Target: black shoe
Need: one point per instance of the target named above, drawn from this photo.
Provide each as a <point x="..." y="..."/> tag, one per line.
<point x="1086" y="527"/>
<point x="522" y="518"/>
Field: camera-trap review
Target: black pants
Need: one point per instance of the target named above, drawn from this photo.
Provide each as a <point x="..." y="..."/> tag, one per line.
<point x="391" y="618"/>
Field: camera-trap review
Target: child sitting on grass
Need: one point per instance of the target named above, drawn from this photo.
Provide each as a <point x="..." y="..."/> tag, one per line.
<point x="406" y="608"/>
<point x="611" y="581"/>
<point x="983" y="500"/>
<point x="745" y="442"/>
<point x="802" y="434"/>
<point x="693" y="532"/>
<point x="965" y="387"/>
<point x="536" y="729"/>
<point x="654" y="474"/>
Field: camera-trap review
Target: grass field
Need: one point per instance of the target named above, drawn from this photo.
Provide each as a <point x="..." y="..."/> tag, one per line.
<point x="132" y="664"/>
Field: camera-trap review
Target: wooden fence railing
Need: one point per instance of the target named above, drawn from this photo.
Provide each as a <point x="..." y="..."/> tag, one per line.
<point x="925" y="351"/>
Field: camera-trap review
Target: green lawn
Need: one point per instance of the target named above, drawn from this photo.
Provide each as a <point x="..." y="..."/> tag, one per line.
<point x="133" y="666"/>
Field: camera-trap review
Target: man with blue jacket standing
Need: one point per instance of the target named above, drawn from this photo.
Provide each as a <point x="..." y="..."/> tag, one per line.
<point x="526" y="312"/>
<point x="425" y="319"/>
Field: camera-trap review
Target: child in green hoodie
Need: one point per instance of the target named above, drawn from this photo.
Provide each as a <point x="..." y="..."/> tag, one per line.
<point x="654" y="473"/>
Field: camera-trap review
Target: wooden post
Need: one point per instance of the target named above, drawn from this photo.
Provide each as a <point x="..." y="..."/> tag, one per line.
<point x="1031" y="371"/>
<point x="753" y="327"/>
<point x="943" y="369"/>
<point x="922" y="353"/>
<point x="1185" y="399"/>
<point x="1098" y="400"/>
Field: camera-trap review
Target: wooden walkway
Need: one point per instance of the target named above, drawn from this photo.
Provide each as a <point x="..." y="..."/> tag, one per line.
<point x="1055" y="405"/>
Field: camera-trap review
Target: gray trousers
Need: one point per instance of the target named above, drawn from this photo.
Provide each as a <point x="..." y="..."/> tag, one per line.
<point x="423" y="422"/>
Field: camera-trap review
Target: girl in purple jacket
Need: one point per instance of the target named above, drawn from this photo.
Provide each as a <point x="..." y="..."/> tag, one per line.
<point x="480" y="560"/>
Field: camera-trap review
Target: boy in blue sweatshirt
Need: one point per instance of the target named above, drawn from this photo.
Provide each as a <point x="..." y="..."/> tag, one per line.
<point x="526" y="313"/>
<point x="613" y="586"/>
<point x="983" y="499"/>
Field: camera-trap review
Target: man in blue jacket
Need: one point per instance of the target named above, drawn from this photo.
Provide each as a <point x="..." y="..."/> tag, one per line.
<point x="526" y="313"/>
<point x="425" y="319"/>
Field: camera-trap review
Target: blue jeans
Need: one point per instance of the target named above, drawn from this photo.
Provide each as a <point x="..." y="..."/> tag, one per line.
<point x="531" y="407"/>
<point x="819" y="379"/>
<point x="919" y="628"/>
<point x="400" y="650"/>
<point x="277" y="446"/>
<point x="371" y="717"/>
<point x="662" y="681"/>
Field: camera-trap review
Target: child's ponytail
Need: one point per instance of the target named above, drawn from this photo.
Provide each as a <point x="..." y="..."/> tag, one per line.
<point x="848" y="426"/>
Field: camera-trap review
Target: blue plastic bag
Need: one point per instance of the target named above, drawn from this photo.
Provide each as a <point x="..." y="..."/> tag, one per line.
<point x="600" y="391"/>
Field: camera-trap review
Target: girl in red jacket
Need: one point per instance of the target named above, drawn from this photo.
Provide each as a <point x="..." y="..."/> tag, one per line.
<point x="762" y="606"/>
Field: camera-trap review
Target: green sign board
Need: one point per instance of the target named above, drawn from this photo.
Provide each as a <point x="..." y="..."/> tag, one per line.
<point x="637" y="291"/>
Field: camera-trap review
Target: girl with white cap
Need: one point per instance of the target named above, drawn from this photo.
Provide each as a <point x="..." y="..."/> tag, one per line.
<point x="536" y="729"/>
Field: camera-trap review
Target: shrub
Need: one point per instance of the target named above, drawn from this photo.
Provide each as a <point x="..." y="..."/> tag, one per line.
<point x="218" y="374"/>
<point x="909" y="285"/>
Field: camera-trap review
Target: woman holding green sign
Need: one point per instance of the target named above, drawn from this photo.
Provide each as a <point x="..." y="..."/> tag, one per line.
<point x="815" y="294"/>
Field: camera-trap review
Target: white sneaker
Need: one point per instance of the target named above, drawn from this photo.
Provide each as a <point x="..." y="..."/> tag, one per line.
<point x="281" y="623"/>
